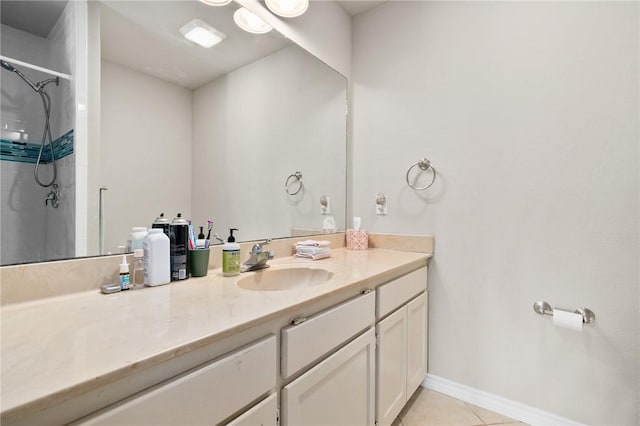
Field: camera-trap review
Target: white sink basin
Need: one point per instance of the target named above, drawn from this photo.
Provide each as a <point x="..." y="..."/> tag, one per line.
<point x="284" y="278"/>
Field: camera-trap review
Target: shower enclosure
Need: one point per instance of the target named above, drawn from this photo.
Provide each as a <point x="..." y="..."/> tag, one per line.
<point x="37" y="110"/>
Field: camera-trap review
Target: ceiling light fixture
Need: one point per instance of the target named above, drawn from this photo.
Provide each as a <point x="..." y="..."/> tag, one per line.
<point x="287" y="8"/>
<point x="216" y="2"/>
<point x="249" y="22"/>
<point x="201" y="33"/>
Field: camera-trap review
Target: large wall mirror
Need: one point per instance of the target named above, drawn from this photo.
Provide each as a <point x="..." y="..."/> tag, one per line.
<point x="213" y="133"/>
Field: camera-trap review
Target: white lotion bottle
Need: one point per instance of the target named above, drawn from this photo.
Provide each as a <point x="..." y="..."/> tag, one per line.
<point x="157" y="266"/>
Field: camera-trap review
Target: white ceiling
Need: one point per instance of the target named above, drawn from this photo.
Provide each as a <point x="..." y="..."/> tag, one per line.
<point x="34" y="17"/>
<point x="355" y="7"/>
<point x="145" y="36"/>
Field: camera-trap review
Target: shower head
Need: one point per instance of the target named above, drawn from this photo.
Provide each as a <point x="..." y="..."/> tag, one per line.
<point x="7" y="66"/>
<point x="38" y="87"/>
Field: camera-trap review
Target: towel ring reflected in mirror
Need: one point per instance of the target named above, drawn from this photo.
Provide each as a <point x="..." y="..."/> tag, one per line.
<point x="423" y="165"/>
<point x="292" y="180"/>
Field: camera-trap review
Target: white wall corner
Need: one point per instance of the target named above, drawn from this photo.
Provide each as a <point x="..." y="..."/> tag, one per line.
<point x="506" y="407"/>
<point x="309" y="31"/>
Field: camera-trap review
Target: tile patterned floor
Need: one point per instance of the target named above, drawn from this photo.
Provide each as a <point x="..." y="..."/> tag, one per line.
<point x="430" y="408"/>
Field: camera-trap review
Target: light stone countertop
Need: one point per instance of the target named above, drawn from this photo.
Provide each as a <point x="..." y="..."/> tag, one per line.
<point x="56" y="348"/>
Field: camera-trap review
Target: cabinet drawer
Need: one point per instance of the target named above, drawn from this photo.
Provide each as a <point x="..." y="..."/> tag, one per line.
<point x="207" y="395"/>
<point x="306" y="342"/>
<point x="395" y="293"/>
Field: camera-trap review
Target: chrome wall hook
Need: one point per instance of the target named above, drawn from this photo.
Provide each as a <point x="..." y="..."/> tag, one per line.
<point x="325" y="205"/>
<point x="381" y="204"/>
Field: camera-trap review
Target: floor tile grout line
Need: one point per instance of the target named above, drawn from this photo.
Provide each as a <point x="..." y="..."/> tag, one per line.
<point x="466" y="406"/>
<point x="470" y="408"/>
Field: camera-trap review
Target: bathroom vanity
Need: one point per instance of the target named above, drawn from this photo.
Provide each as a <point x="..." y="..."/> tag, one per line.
<point x="347" y="346"/>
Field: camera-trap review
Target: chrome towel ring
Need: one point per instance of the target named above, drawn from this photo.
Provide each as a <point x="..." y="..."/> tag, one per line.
<point x="423" y="165"/>
<point x="292" y="179"/>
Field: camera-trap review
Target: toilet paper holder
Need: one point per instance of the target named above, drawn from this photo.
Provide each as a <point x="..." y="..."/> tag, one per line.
<point x="543" y="308"/>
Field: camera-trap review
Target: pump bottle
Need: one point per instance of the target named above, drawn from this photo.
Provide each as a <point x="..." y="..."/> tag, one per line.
<point x="231" y="256"/>
<point x="124" y="274"/>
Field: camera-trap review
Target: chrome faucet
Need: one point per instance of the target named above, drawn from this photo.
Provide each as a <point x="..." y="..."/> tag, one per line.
<point x="258" y="259"/>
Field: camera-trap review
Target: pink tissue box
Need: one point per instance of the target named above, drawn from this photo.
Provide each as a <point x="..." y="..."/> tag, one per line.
<point x="357" y="240"/>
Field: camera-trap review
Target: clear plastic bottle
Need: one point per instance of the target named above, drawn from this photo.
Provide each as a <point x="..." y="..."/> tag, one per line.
<point x="137" y="237"/>
<point x="138" y="269"/>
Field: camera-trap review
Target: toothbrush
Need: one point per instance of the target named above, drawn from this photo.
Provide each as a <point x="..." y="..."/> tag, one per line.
<point x="209" y="228"/>
<point x="192" y="238"/>
<point x="207" y="241"/>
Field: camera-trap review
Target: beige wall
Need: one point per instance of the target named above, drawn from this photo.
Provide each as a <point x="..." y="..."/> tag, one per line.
<point x="145" y="150"/>
<point x="529" y="112"/>
<point x="324" y="30"/>
<point x="257" y="125"/>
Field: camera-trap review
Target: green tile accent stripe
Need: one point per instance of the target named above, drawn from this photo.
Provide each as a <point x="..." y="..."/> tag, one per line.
<point x="24" y="152"/>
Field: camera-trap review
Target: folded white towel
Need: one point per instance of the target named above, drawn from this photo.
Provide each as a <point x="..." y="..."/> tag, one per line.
<point x="312" y="250"/>
<point x="313" y="256"/>
<point x="313" y="243"/>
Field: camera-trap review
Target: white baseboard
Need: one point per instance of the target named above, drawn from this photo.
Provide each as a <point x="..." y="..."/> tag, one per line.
<point x="495" y="403"/>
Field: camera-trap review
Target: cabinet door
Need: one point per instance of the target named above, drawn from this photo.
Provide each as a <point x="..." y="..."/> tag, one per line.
<point x="338" y="391"/>
<point x="391" y="366"/>
<point x="265" y="413"/>
<point x="206" y="396"/>
<point x="416" y="342"/>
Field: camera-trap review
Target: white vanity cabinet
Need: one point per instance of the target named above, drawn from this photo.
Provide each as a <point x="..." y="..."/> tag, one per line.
<point x="264" y="413"/>
<point x="417" y="342"/>
<point x="391" y="366"/>
<point x="340" y="390"/>
<point x="401" y="362"/>
<point x="308" y="356"/>
<point x="311" y="338"/>
<point x="206" y="395"/>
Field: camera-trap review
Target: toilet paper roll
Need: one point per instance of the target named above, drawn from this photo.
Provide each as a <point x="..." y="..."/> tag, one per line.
<point x="566" y="319"/>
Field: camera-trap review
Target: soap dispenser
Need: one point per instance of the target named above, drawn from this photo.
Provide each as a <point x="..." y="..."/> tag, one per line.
<point x="231" y="256"/>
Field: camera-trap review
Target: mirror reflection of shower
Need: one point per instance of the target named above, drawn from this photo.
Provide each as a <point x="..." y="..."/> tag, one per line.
<point x="41" y="69"/>
<point x="39" y="88"/>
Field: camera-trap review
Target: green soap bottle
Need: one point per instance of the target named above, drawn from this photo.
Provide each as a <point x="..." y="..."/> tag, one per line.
<point x="231" y="256"/>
